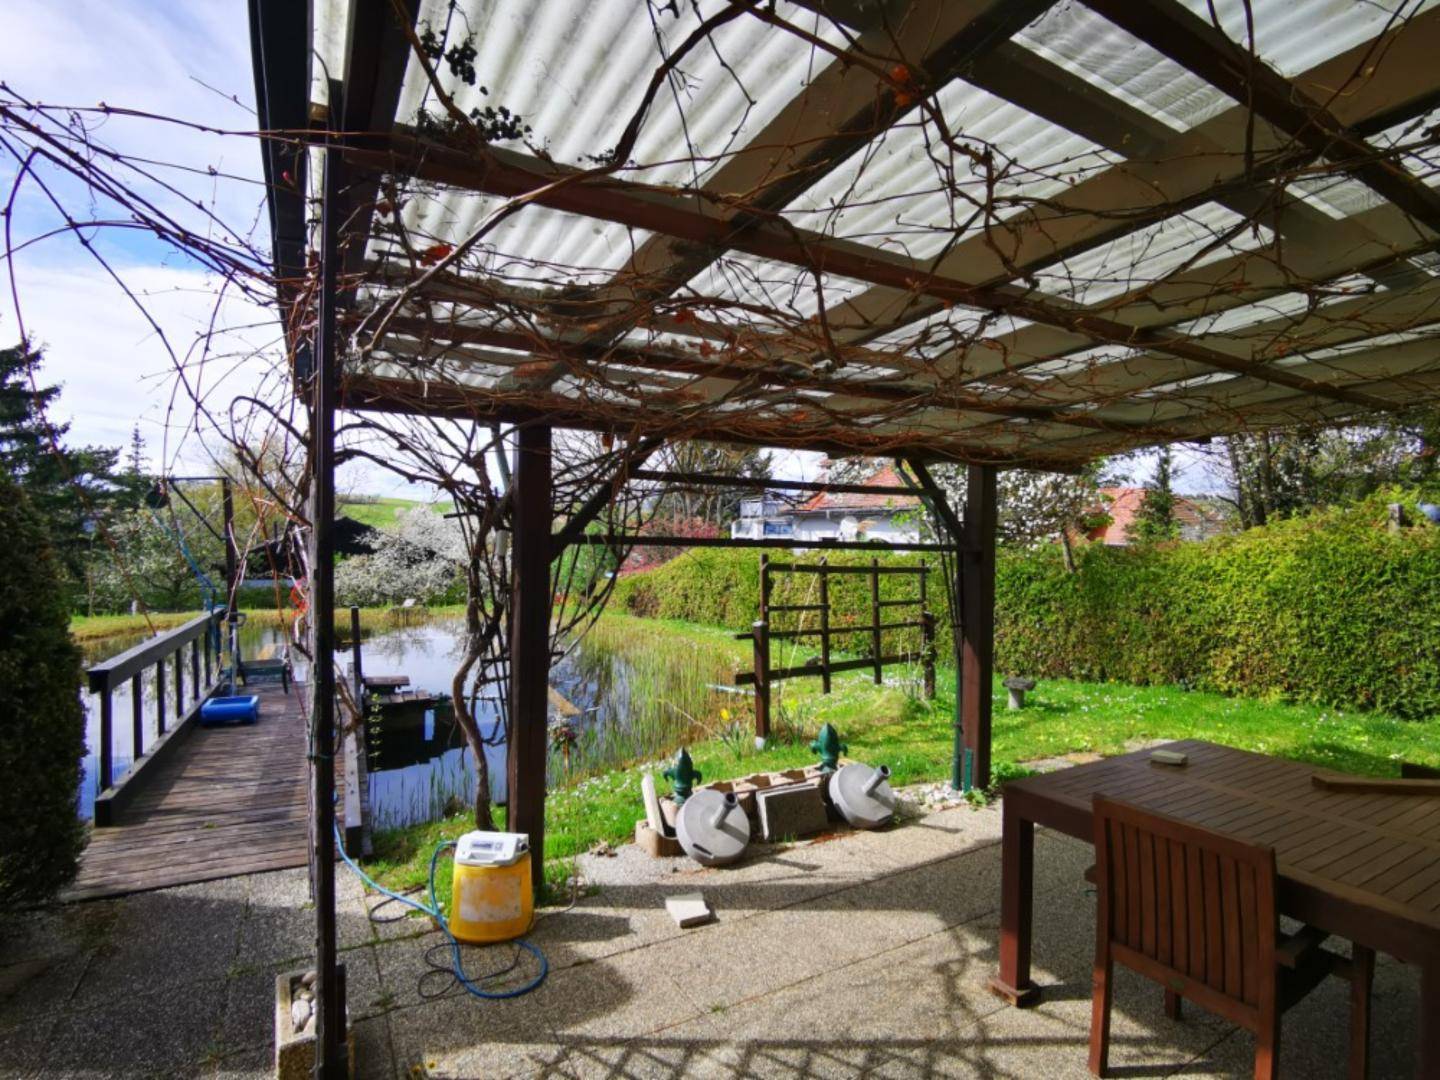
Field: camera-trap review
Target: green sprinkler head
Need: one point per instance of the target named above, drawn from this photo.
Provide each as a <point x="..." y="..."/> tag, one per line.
<point x="683" y="776"/>
<point x="828" y="745"/>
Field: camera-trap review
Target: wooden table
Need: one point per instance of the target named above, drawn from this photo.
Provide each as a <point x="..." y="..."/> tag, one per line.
<point x="1362" y="866"/>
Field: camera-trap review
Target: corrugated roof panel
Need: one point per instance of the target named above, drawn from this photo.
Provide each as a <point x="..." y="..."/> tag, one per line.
<point x="1199" y="236"/>
<point x="793" y="292"/>
<point x="576" y="71"/>
<point x="1092" y="47"/>
<point x="911" y="192"/>
<point x="1293" y="36"/>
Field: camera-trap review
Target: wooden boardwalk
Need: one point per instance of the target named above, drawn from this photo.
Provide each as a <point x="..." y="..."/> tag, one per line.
<point x="229" y="800"/>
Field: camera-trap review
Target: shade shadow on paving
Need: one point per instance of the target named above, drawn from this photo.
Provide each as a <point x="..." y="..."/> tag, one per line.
<point x="866" y="954"/>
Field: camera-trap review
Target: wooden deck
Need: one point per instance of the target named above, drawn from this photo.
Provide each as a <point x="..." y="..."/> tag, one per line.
<point x="230" y="800"/>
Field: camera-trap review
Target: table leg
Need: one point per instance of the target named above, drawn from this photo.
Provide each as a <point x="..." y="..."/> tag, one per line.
<point x="1427" y="1058"/>
<point x="1016" y="889"/>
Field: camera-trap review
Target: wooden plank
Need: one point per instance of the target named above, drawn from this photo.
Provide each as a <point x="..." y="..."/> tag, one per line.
<point x="226" y="801"/>
<point x="1377" y="785"/>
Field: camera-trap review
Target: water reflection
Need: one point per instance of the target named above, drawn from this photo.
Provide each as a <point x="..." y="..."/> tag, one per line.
<point x="617" y="700"/>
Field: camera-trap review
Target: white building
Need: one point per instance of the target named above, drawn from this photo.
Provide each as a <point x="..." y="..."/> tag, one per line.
<point x="833" y="516"/>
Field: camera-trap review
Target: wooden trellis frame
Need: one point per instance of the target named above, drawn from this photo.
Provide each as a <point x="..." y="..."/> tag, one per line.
<point x="761" y="633"/>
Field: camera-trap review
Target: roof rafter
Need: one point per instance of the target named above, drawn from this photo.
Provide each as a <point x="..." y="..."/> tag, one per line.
<point x="506" y="173"/>
<point x="837" y="114"/>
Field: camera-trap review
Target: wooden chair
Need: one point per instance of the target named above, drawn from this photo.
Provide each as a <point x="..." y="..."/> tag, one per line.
<point x="1194" y="910"/>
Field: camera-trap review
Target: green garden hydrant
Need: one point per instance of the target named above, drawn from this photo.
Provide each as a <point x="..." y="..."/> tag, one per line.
<point x="828" y="745"/>
<point x="683" y="776"/>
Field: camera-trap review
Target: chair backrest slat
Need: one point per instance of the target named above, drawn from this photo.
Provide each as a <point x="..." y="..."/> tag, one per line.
<point x="1198" y="903"/>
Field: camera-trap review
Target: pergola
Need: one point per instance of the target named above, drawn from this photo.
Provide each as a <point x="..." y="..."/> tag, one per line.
<point x="1003" y="233"/>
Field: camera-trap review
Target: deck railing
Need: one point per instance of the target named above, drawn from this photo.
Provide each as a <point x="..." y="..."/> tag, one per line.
<point x="189" y="644"/>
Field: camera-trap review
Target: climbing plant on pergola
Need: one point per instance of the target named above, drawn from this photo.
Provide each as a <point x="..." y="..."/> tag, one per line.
<point x="1015" y="234"/>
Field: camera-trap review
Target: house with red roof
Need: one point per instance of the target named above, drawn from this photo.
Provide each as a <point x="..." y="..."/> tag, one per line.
<point x="833" y="515"/>
<point x="1199" y="517"/>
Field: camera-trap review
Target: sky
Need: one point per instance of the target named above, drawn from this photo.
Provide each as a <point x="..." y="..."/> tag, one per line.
<point x="117" y="371"/>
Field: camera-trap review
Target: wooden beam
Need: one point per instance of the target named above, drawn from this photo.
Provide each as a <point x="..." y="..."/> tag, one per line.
<point x="977" y="621"/>
<point x="377" y="52"/>
<point x="765" y="483"/>
<point x="652" y="540"/>
<point x="1207" y="51"/>
<point x="596" y="358"/>
<point x="529" y="643"/>
<point x="509" y="174"/>
<point x="379" y="393"/>
<point x="839" y="112"/>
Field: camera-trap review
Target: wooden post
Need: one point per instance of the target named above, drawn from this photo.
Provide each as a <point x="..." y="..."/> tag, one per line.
<point x="977" y="620"/>
<point x="765" y="585"/>
<point x="825" y="626"/>
<point x="761" y="631"/>
<point x="179" y="684"/>
<point x="107" y="719"/>
<point x="875" y="620"/>
<point x="927" y="634"/>
<point x="1017" y="874"/>
<point x="137" y="714"/>
<point x="160" y="697"/>
<point x="195" y="668"/>
<point x="355" y="658"/>
<point x="530" y="548"/>
<point x="331" y="1052"/>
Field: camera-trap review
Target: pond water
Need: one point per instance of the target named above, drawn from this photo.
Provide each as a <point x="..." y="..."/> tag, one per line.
<point x="418" y="760"/>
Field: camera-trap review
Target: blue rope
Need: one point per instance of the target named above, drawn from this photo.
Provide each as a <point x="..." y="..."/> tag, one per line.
<point x="434" y="912"/>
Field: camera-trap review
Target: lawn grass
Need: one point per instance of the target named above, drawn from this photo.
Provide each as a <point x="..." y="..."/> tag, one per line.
<point x="893" y="725"/>
<point x="85" y="628"/>
<point x="382" y="513"/>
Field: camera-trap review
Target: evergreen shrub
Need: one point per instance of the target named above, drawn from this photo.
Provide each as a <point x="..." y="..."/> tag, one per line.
<point x="42" y="721"/>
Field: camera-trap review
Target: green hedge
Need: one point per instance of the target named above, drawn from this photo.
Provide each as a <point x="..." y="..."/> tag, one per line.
<point x="42" y="723"/>
<point x="1332" y="609"/>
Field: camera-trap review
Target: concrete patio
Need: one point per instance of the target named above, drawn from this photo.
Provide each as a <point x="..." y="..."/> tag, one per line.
<point x="863" y="953"/>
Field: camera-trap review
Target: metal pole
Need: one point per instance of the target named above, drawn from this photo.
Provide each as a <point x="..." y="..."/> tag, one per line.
<point x="330" y="1061"/>
<point x="227" y="500"/>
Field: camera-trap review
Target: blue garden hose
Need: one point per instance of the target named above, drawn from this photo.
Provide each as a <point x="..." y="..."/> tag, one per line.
<point x="434" y="912"/>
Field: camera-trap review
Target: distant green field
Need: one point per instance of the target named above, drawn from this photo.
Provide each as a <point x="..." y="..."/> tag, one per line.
<point x="381" y="513"/>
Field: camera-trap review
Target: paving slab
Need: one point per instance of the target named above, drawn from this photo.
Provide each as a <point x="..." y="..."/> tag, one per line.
<point x="167" y="939"/>
<point x="850" y="954"/>
<point x="169" y="1032"/>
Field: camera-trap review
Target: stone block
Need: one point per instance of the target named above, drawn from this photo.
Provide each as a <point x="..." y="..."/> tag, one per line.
<point x="792" y="811"/>
<point x="654" y="844"/>
<point x="688" y="909"/>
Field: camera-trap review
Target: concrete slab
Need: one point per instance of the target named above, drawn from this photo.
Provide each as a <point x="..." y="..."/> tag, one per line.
<point x="168" y="1031"/>
<point x="790" y="812"/>
<point x="857" y="953"/>
<point x="279" y="920"/>
<point x="456" y="1036"/>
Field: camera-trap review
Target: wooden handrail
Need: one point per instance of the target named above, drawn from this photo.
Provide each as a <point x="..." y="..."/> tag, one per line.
<point x="105" y="677"/>
<point x="109" y="674"/>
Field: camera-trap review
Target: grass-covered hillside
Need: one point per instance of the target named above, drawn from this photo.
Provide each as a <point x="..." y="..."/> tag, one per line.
<point x="381" y="512"/>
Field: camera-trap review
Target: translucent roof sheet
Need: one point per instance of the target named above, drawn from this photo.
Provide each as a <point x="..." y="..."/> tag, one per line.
<point x="824" y="235"/>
